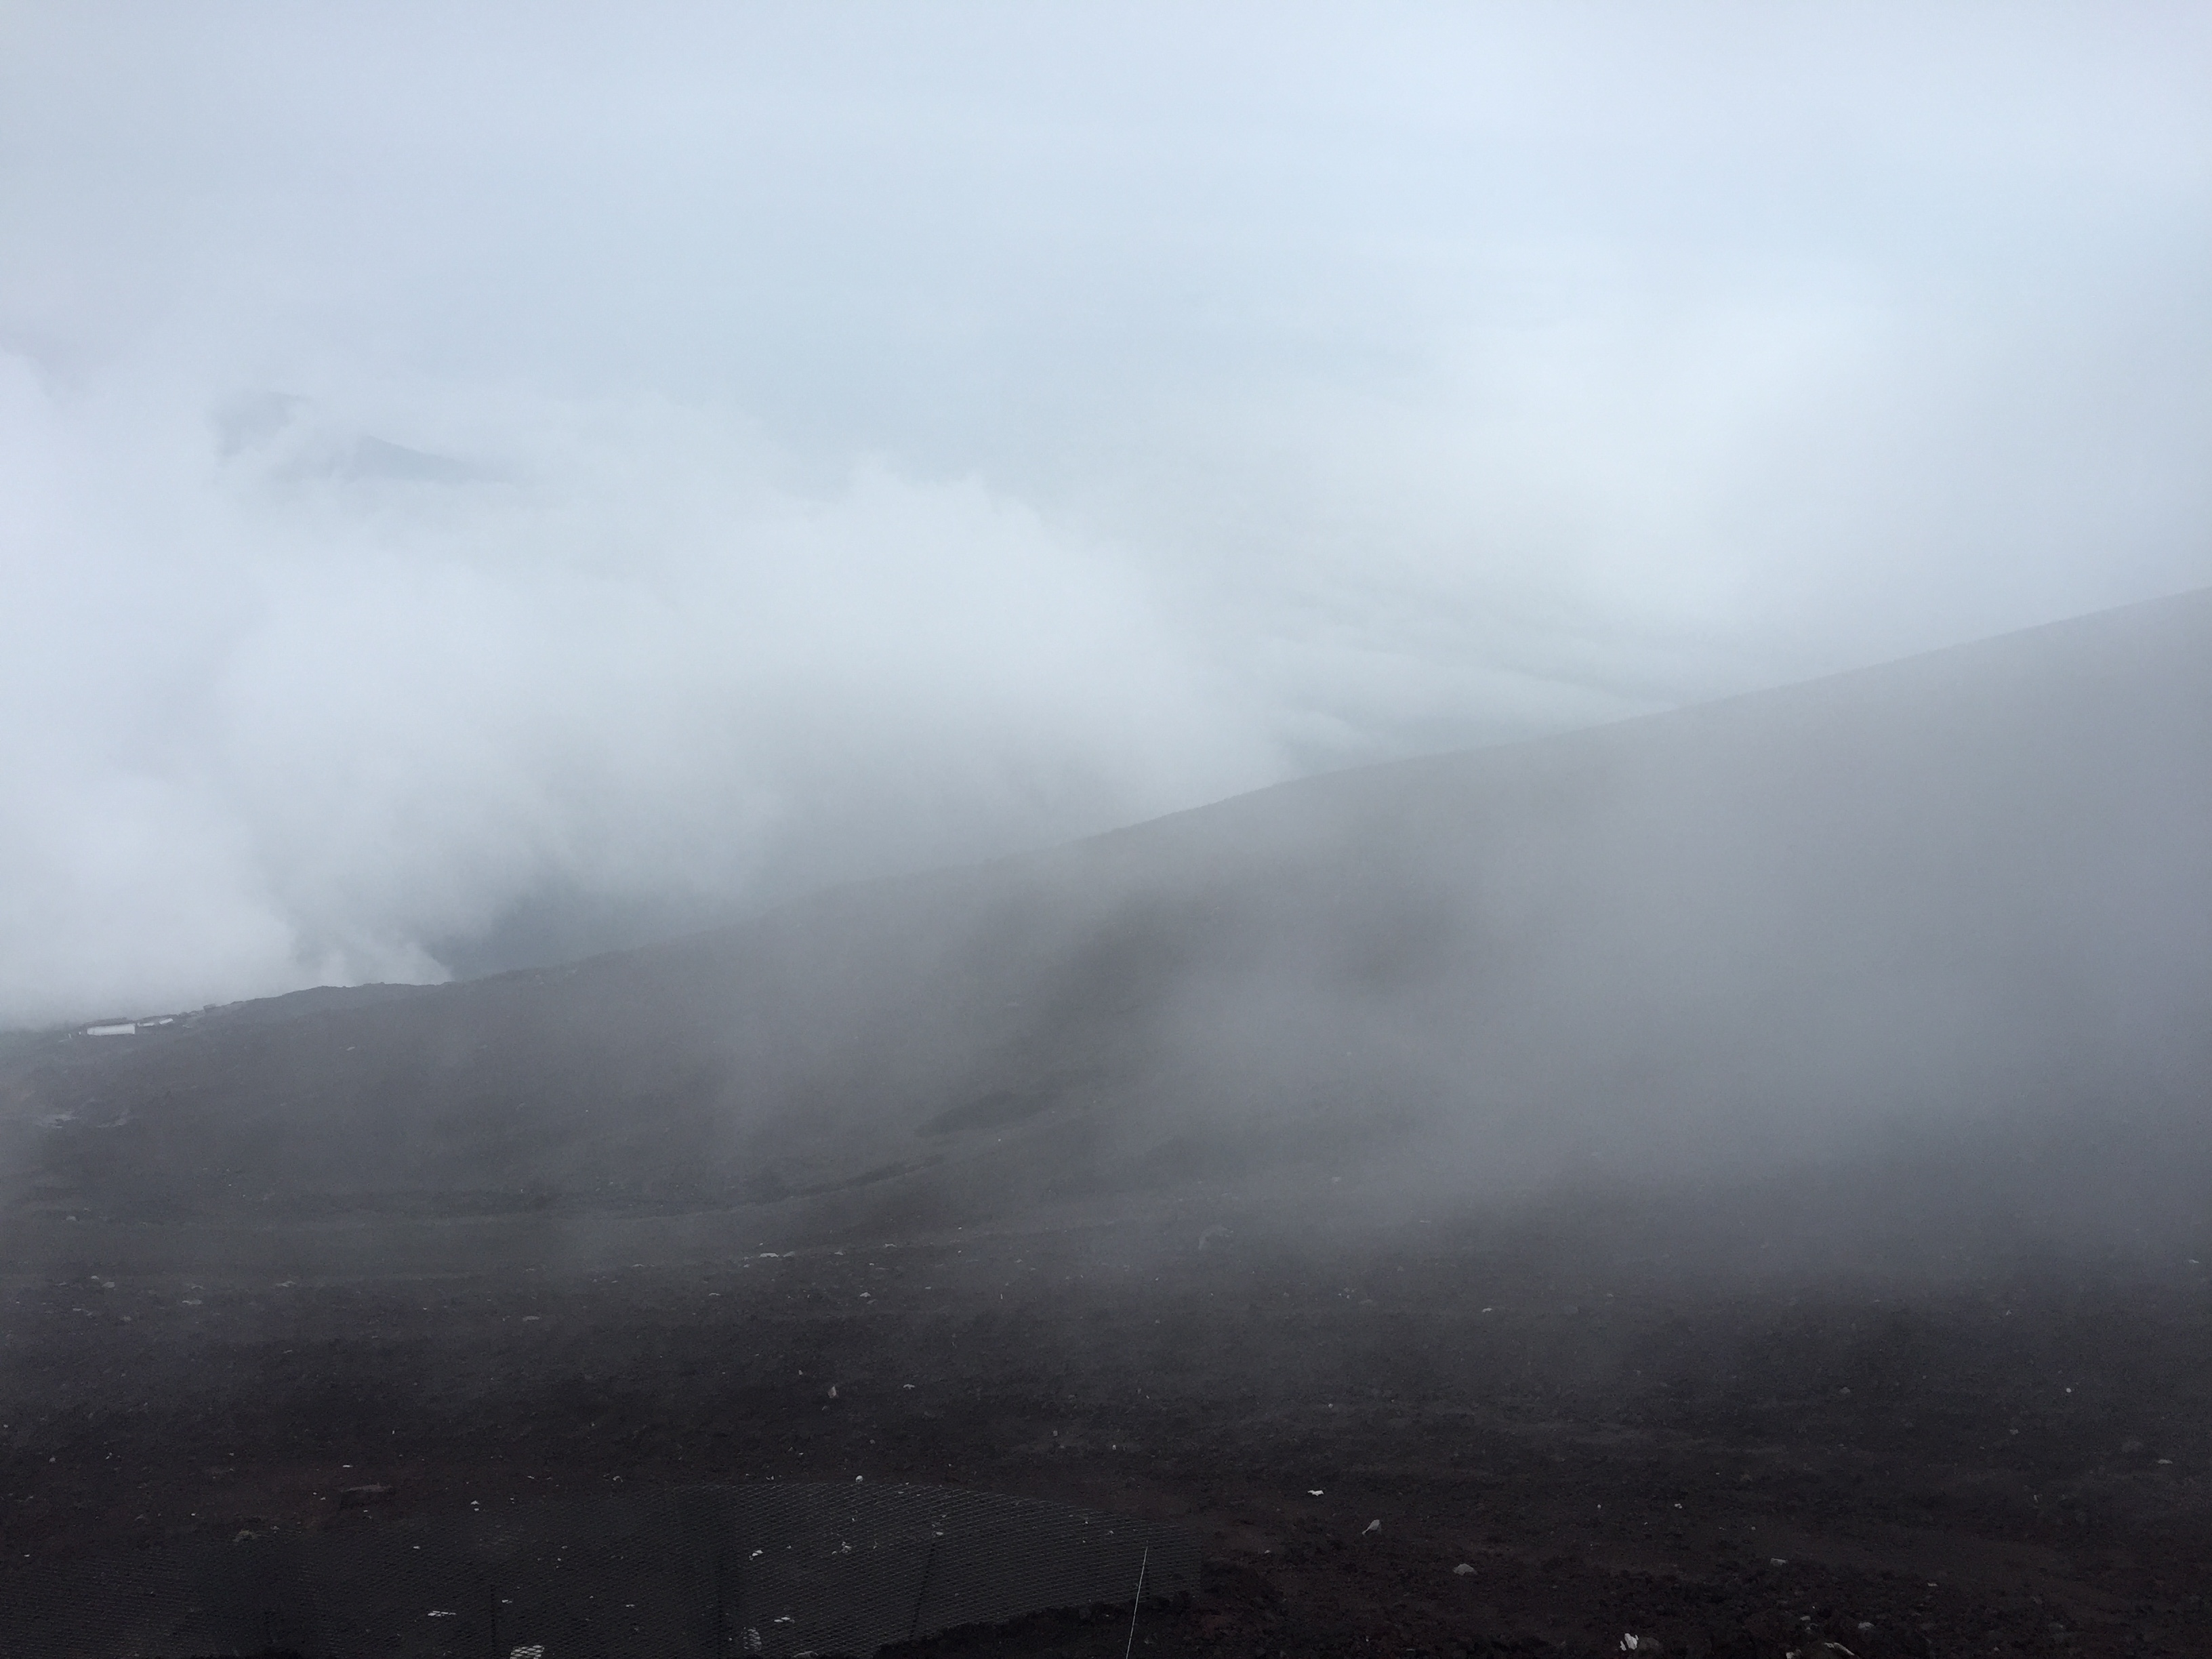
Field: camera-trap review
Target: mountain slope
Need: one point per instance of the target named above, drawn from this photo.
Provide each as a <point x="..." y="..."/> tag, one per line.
<point x="1969" y="895"/>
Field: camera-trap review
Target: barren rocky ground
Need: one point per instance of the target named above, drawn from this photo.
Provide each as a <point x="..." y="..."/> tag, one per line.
<point x="2021" y="1466"/>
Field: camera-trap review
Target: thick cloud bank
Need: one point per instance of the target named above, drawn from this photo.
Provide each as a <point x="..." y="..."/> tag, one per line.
<point x="480" y="487"/>
<point x="324" y="698"/>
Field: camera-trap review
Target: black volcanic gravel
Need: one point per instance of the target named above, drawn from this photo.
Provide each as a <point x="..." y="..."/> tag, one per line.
<point x="2020" y="1469"/>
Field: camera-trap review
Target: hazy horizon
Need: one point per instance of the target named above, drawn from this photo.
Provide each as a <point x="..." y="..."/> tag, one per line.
<point x="475" y="487"/>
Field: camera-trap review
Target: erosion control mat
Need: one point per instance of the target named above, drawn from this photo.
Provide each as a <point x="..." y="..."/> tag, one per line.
<point x="776" y="1570"/>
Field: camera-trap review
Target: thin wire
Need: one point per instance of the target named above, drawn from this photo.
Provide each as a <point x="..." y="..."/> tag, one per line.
<point x="1145" y="1562"/>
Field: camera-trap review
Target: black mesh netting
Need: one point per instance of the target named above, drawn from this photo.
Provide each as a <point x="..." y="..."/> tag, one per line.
<point x="776" y="1571"/>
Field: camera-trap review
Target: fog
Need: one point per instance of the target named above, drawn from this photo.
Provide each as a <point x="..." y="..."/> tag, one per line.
<point x="479" y="488"/>
<point x="1923" y="943"/>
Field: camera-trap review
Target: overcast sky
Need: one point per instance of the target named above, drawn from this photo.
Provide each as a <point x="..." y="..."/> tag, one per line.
<point x="478" y="482"/>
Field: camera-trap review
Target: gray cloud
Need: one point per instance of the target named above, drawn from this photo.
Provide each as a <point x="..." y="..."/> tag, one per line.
<point x="477" y="485"/>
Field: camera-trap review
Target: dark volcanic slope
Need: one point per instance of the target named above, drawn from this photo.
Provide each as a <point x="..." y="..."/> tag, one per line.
<point x="1967" y="893"/>
<point x="1737" y="1177"/>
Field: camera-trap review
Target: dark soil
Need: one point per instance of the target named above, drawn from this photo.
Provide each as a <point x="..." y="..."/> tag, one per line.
<point x="1560" y="1448"/>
